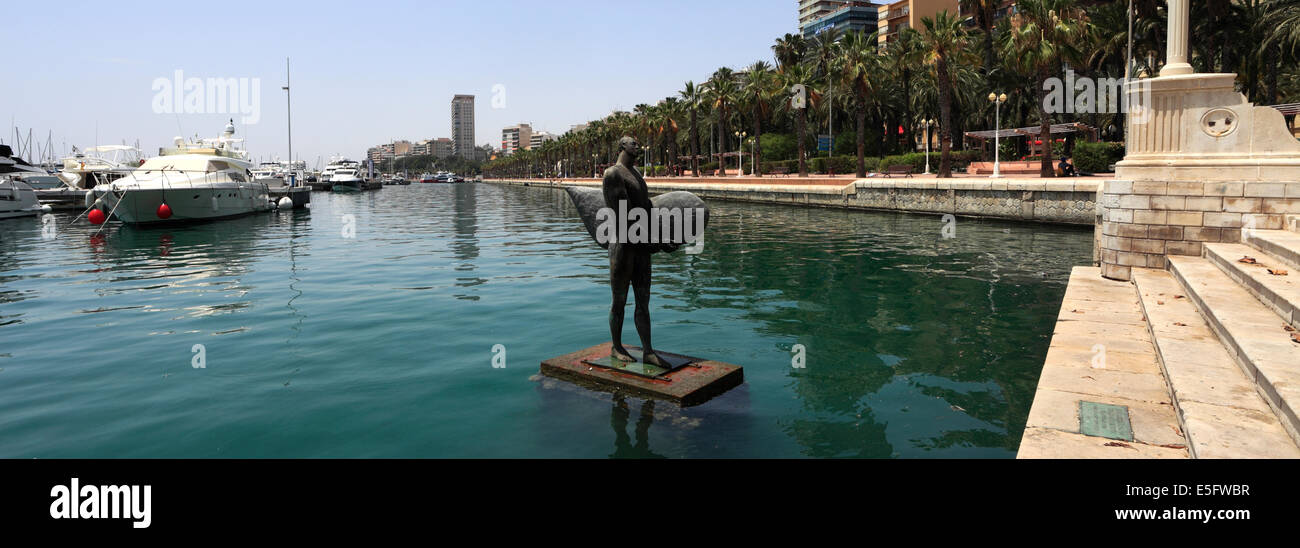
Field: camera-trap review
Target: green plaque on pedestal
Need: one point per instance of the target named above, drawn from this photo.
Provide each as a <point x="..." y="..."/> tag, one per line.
<point x="674" y="362"/>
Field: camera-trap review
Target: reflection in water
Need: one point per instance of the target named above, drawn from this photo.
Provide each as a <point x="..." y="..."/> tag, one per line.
<point x="618" y="418"/>
<point x="916" y="346"/>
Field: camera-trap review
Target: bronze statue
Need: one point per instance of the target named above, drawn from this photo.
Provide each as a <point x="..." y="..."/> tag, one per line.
<point x="623" y="201"/>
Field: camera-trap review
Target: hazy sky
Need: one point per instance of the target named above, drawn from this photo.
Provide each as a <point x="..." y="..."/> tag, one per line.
<point x="363" y="72"/>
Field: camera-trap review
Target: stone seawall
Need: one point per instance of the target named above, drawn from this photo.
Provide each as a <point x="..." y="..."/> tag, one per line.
<point x="1065" y="201"/>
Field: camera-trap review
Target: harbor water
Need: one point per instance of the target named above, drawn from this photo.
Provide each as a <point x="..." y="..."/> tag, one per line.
<point x="369" y="326"/>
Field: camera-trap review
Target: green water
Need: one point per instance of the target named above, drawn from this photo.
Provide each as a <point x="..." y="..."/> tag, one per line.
<point x="381" y="344"/>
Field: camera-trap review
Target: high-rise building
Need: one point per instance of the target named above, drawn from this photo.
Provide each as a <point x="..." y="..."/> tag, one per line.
<point x="1003" y="9"/>
<point x="812" y="10"/>
<point x="540" y="137"/>
<point x="462" y="125"/>
<point x="843" y="17"/>
<point x="443" y="147"/>
<point x="905" y="14"/>
<point x="515" y="138"/>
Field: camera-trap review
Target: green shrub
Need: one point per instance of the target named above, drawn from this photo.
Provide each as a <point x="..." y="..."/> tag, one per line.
<point x="1097" y="157"/>
<point x="778" y="146"/>
<point x="960" y="159"/>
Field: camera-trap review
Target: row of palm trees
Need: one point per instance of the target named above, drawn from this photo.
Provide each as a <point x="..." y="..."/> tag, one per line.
<point x="942" y="72"/>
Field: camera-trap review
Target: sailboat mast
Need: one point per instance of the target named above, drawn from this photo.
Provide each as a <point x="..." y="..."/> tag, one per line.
<point x="288" y="99"/>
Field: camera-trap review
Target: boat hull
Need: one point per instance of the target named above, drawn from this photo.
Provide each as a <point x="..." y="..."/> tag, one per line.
<point x="353" y="185"/>
<point x="17" y="200"/>
<point x="203" y="203"/>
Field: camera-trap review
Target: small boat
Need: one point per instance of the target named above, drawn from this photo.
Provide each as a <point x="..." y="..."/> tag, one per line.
<point x="199" y="180"/>
<point x="17" y="199"/>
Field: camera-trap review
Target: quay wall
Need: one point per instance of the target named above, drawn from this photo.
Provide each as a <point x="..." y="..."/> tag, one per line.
<point x="1065" y="201"/>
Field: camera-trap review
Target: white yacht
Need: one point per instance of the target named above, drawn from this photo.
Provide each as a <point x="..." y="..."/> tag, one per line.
<point x="344" y="175"/>
<point x="197" y="180"/>
<point x="17" y="199"/>
<point x="99" y="165"/>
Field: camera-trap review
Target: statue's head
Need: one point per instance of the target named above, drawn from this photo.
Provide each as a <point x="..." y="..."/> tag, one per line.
<point x="630" y="146"/>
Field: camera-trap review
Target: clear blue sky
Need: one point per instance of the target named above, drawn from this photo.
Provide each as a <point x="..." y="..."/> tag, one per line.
<point x="364" y="72"/>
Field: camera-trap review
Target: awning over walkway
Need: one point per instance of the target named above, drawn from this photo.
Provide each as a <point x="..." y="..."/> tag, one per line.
<point x="1289" y="109"/>
<point x="1031" y="131"/>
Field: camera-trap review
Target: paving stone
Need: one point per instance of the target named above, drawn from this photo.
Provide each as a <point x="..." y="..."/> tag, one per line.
<point x="1152" y="423"/>
<point x="1046" y="443"/>
<point x="1220" y="432"/>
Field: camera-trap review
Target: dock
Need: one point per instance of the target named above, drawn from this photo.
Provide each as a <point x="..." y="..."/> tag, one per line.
<point x="301" y="195"/>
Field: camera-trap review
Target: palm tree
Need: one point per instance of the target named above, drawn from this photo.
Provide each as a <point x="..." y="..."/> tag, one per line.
<point x="825" y="52"/>
<point x="692" y="98"/>
<point x="858" y="65"/>
<point x="759" y="93"/>
<point x="947" y="41"/>
<point x="902" y="56"/>
<point x="983" y="12"/>
<point x="722" y="93"/>
<point x="1280" y="24"/>
<point x="671" y="110"/>
<point x="1284" y="16"/>
<point x="1041" y="35"/>
<point x="801" y="74"/>
<point x="790" y="50"/>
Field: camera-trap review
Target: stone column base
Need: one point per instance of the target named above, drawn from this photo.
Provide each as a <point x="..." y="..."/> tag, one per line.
<point x="1144" y="221"/>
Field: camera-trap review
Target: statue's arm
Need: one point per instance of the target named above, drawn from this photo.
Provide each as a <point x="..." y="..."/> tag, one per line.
<point x="615" y="189"/>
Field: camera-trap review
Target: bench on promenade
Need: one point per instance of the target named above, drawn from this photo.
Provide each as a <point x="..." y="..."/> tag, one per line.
<point x="898" y="169"/>
<point x="780" y="170"/>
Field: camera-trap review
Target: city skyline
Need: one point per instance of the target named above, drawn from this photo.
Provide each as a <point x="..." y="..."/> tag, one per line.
<point x="557" y="81"/>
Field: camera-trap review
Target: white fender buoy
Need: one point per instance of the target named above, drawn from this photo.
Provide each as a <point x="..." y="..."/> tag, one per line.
<point x="285" y="203"/>
<point x="45" y="208"/>
<point x="90" y="198"/>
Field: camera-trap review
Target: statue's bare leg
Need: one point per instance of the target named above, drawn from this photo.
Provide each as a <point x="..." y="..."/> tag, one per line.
<point x="641" y="316"/>
<point x="620" y="275"/>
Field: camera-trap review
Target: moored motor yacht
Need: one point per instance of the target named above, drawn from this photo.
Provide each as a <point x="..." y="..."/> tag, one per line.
<point x="17" y="199"/>
<point x="345" y="175"/>
<point x="19" y="170"/>
<point x="99" y="165"/>
<point x="197" y="180"/>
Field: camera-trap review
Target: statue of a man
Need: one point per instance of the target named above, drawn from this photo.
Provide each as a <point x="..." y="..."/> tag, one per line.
<point x="629" y="262"/>
<point x="673" y="220"/>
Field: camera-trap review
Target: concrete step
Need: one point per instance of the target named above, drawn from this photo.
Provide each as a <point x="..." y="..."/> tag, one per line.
<point x="1282" y="244"/>
<point x="1218" y="407"/>
<point x="1250" y="332"/>
<point x="1280" y="293"/>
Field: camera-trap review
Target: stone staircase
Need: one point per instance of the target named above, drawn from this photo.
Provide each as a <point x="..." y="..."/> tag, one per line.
<point x="1223" y="331"/>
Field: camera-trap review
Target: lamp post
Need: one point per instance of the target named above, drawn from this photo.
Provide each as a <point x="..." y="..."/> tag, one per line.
<point x="740" y="161"/>
<point x="753" y="158"/>
<point x="997" y="101"/>
<point x="927" y="123"/>
<point x="595" y="171"/>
